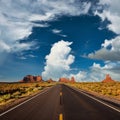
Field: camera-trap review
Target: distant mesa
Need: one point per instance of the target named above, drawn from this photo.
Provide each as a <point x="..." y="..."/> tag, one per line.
<point x="72" y="80"/>
<point x="50" y="80"/>
<point x="108" y="79"/>
<point x="30" y="78"/>
<point x="67" y="80"/>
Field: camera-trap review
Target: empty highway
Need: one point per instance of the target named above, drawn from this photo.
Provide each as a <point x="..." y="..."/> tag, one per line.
<point x="61" y="102"/>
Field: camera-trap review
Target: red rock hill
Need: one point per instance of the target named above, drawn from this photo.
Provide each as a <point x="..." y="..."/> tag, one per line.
<point x="108" y="79"/>
<point x="30" y="78"/>
<point x="72" y="80"/>
<point x="50" y="80"/>
<point x="66" y="80"/>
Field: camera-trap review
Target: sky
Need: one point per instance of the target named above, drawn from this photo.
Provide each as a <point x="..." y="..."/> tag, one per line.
<point x="59" y="38"/>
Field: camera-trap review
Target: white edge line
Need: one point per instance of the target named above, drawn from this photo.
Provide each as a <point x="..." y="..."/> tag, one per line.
<point x="23" y="102"/>
<point x="97" y="100"/>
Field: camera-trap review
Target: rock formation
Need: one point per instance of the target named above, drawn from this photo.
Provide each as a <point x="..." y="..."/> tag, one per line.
<point x="66" y="80"/>
<point x="38" y="78"/>
<point x="72" y="79"/>
<point x="108" y="79"/>
<point x="50" y="81"/>
<point x="30" y="78"/>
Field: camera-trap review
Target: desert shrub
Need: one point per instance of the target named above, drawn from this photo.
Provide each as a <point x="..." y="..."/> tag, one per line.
<point x="16" y="90"/>
<point x="36" y="85"/>
<point x="40" y="88"/>
<point x="110" y="89"/>
<point x="35" y="89"/>
<point x="114" y="93"/>
<point x="6" y="97"/>
<point x="1" y="99"/>
<point x="16" y="94"/>
<point x="118" y="91"/>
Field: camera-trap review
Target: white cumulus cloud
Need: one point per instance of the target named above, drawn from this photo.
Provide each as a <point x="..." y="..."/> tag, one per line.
<point x="111" y="11"/>
<point x="98" y="72"/>
<point x="58" y="61"/>
<point x="110" y="50"/>
<point x="81" y="76"/>
<point x="17" y="18"/>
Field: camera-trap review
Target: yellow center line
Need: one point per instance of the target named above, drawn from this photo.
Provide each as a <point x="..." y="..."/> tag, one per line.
<point x="61" y="116"/>
<point x="60" y="93"/>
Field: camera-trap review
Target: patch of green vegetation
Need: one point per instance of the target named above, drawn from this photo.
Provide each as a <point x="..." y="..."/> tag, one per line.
<point x="18" y="90"/>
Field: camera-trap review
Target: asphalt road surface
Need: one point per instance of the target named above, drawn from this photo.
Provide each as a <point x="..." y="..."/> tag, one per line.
<point x="61" y="102"/>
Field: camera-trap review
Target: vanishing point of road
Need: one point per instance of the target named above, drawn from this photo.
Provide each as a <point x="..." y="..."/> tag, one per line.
<point x="62" y="102"/>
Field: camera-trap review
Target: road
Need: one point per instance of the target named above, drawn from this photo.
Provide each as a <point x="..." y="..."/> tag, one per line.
<point x="61" y="103"/>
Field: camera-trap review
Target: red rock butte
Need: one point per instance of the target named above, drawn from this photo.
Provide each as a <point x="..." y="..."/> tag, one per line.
<point x="50" y="80"/>
<point x="30" y="78"/>
<point x="66" y="80"/>
<point x="108" y="79"/>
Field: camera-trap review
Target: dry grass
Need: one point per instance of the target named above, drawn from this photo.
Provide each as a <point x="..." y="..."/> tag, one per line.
<point x="12" y="91"/>
<point x="107" y="89"/>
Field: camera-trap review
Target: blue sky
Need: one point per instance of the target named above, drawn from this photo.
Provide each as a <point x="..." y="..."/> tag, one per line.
<point x="79" y="38"/>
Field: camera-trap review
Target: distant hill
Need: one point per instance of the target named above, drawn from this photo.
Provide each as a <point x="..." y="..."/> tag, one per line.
<point x="108" y="79"/>
<point x="30" y="78"/>
<point x="66" y="80"/>
<point x="50" y="81"/>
